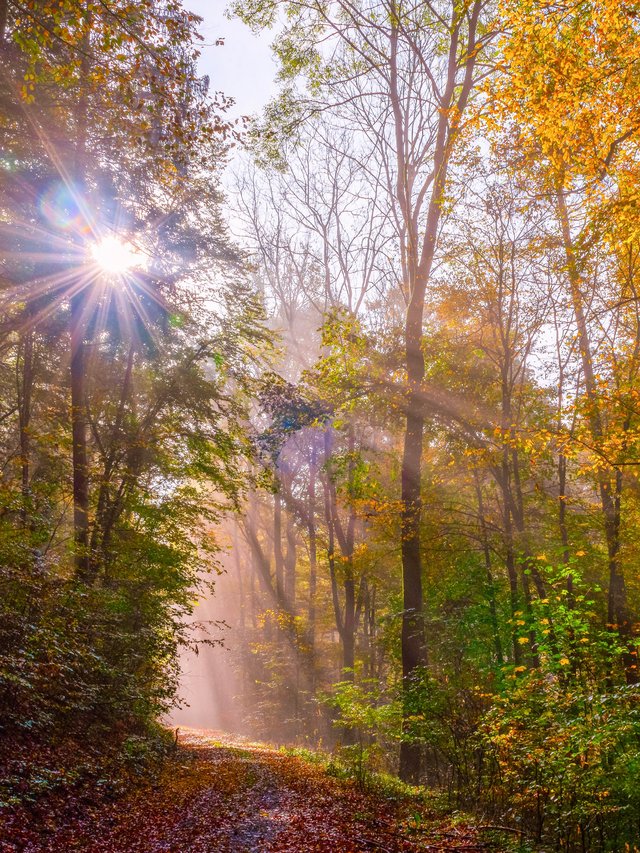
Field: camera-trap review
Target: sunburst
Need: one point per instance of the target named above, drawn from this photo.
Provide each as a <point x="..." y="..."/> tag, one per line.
<point x="78" y="255"/>
<point x="116" y="257"/>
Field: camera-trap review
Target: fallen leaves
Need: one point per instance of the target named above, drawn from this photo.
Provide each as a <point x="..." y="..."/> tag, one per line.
<point x="231" y="797"/>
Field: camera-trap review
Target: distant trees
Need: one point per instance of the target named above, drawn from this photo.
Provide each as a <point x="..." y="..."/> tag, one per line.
<point x="397" y="78"/>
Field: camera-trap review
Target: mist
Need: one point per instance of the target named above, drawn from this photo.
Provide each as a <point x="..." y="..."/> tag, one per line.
<point x="210" y="683"/>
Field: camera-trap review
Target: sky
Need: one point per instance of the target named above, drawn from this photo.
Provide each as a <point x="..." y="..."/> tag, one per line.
<point x="243" y="67"/>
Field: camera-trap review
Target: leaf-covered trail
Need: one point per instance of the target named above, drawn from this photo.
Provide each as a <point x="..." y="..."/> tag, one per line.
<point x="222" y="797"/>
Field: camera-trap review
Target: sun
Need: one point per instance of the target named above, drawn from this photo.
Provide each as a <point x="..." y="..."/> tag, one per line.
<point x="116" y="257"/>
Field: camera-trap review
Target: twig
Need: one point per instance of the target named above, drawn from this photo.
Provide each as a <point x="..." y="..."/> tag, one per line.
<point x="456" y="835"/>
<point x="372" y="842"/>
<point x="444" y="847"/>
<point x="503" y="829"/>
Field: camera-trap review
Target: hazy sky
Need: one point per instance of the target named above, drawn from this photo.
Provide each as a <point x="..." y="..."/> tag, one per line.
<point x="243" y="67"/>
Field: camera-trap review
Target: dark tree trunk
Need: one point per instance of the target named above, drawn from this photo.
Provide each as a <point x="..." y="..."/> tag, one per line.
<point x="79" y="439"/>
<point x="4" y="10"/>
<point x="80" y="452"/>
<point x="414" y="652"/>
<point x="25" y="388"/>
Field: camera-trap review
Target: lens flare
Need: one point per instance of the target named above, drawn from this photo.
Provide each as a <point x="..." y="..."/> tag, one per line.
<point x="116" y="257"/>
<point x="60" y="206"/>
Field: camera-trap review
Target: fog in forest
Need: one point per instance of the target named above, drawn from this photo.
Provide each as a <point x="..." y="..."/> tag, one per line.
<point x="209" y="681"/>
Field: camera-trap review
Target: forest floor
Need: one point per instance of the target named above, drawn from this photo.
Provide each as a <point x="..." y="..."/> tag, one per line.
<point x="218" y="796"/>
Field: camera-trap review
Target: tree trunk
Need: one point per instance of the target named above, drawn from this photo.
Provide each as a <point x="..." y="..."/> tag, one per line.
<point x="510" y="561"/>
<point x="4" y="10"/>
<point x="618" y="614"/>
<point x="290" y="561"/>
<point x="313" y="547"/>
<point x="278" y="556"/>
<point x="349" y="639"/>
<point x="414" y="652"/>
<point x="491" y="589"/>
<point x="25" y="388"/>
<point x="79" y="439"/>
<point x="562" y="522"/>
<point x="413" y="640"/>
<point x="80" y="454"/>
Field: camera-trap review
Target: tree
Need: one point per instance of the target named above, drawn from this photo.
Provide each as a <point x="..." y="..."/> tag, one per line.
<point x="399" y="78"/>
<point x="129" y="371"/>
<point x="570" y="105"/>
<point x="94" y="74"/>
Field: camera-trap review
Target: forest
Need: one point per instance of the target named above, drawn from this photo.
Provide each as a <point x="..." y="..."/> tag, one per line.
<point x="368" y="365"/>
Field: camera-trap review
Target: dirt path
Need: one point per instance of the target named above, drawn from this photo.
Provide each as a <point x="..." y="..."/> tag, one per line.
<point x="221" y="797"/>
